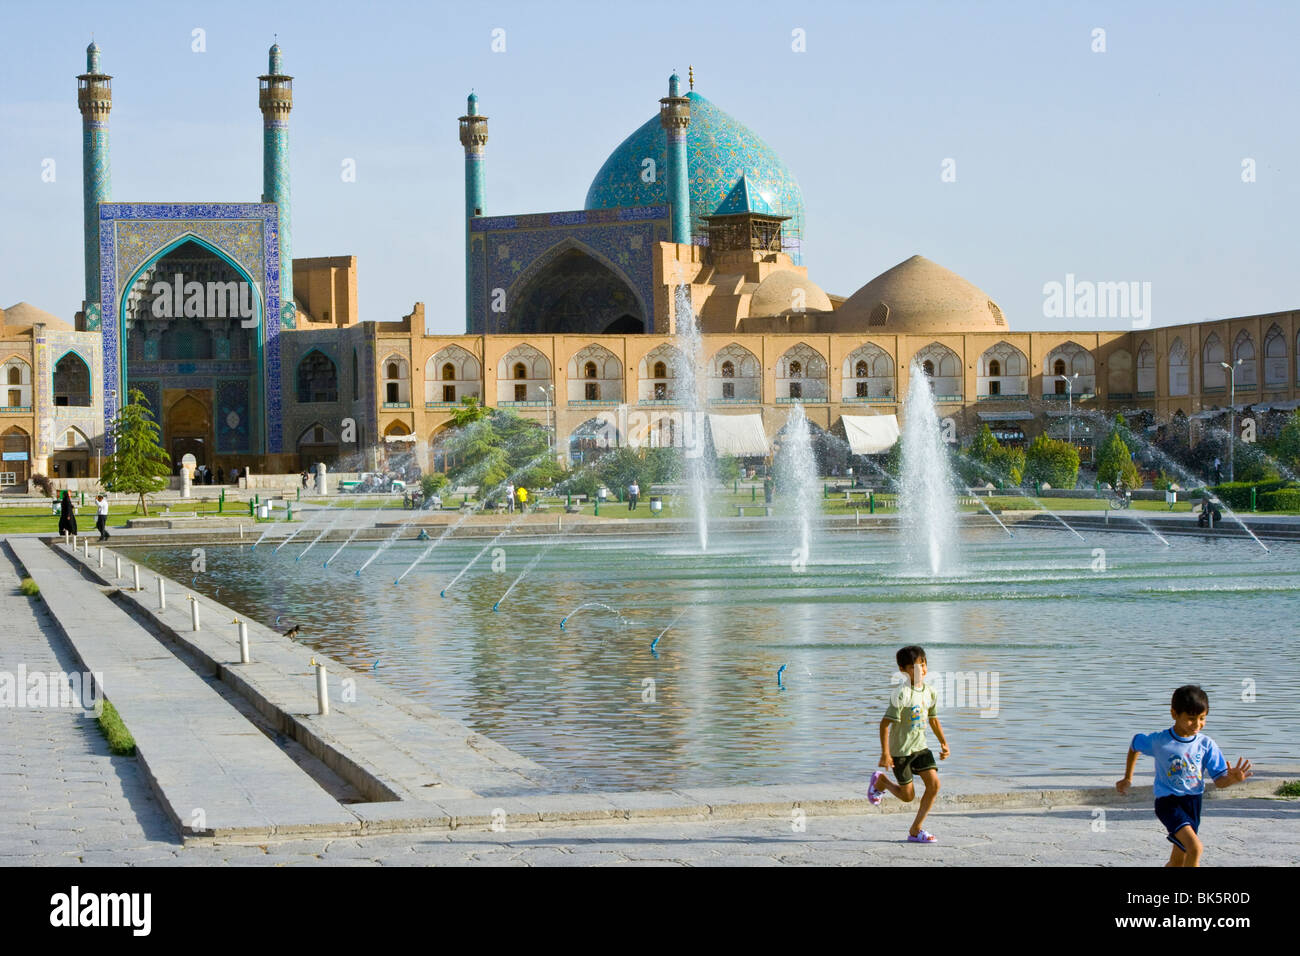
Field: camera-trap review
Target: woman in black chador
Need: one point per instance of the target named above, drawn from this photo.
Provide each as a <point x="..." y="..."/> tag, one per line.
<point x="67" y="515"/>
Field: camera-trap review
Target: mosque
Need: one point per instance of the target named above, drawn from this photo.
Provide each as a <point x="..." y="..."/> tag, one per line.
<point x="251" y="358"/>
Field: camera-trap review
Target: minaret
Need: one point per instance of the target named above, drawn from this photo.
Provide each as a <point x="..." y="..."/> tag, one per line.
<point x="675" y="116"/>
<point x="474" y="137"/>
<point x="275" y="98"/>
<point x="95" y="100"/>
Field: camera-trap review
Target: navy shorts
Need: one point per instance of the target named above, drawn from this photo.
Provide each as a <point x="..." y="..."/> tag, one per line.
<point x="1177" y="812"/>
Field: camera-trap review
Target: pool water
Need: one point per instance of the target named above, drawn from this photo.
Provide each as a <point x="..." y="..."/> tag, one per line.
<point x="1049" y="653"/>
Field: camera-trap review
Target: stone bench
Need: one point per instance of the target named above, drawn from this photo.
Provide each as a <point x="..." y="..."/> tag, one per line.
<point x="740" y="510"/>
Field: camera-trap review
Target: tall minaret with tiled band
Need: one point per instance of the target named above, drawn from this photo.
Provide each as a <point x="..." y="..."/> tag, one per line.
<point x="275" y="98"/>
<point x="675" y="116"/>
<point x="474" y="137"/>
<point x="95" y="100"/>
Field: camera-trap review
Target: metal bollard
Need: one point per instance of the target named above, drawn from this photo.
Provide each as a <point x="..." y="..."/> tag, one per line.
<point x="85" y="542"/>
<point x="101" y="557"/>
<point x="162" y="594"/>
<point x="241" y="532"/>
<point x="117" y="567"/>
<point x="322" y="689"/>
<point x="244" y="656"/>
<point x="194" y="612"/>
<point x="136" y="569"/>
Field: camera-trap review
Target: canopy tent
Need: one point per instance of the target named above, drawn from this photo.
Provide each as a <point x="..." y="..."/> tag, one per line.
<point x="739" y="436"/>
<point x="870" y="434"/>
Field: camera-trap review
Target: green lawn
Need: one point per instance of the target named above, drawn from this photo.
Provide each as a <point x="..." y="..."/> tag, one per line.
<point x="38" y="519"/>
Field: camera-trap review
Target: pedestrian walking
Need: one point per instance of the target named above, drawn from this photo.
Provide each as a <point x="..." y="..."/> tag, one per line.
<point x="510" y="498"/>
<point x="633" y="494"/>
<point x="101" y="517"/>
<point x="67" y="515"/>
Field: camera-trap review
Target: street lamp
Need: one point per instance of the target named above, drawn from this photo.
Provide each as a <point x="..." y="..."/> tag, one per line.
<point x="1069" y="402"/>
<point x="1232" y="413"/>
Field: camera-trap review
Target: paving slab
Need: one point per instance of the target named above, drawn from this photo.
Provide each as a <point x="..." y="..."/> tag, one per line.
<point x="213" y="771"/>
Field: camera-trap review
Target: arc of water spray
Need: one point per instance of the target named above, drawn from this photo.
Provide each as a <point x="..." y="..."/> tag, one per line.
<point x="612" y="610"/>
<point x="522" y="574"/>
<point x="655" y="642"/>
<point x="301" y="527"/>
<point x="779" y="671"/>
<point x="325" y="530"/>
<point x="432" y="544"/>
<point x="474" y="560"/>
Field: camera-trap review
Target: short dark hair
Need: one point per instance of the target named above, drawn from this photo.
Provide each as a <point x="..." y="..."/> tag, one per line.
<point x="909" y="655"/>
<point x="1191" y="700"/>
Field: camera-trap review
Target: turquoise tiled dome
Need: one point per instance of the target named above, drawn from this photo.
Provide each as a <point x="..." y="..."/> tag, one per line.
<point x="720" y="150"/>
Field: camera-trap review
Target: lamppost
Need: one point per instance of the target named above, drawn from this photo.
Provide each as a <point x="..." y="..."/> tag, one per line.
<point x="1069" y="403"/>
<point x="1232" y="413"/>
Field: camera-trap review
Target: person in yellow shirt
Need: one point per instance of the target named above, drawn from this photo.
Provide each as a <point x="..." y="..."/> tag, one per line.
<point x="523" y="499"/>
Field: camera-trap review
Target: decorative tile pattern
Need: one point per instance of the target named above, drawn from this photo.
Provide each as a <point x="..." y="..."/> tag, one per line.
<point x="131" y="235"/>
<point x="622" y="240"/>
<point x="719" y="151"/>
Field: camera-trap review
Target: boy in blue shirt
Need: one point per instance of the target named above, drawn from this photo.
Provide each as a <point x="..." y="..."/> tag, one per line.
<point x="1184" y="757"/>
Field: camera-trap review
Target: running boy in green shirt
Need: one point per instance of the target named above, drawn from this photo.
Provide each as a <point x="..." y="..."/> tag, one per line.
<point x="903" y="744"/>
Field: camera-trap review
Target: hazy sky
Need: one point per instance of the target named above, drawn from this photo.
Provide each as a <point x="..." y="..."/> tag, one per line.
<point x="1123" y="165"/>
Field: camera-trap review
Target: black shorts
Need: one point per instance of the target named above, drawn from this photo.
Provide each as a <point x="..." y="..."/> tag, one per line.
<point x="1176" y="812"/>
<point x="917" y="762"/>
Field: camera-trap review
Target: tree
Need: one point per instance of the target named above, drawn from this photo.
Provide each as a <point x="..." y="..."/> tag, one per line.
<point x="1114" y="461"/>
<point x="1286" y="447"/>
<point x="468" y="412"/>
<point x="1052" y="461"/>
<point x="495" y="445"/>
<point x="987" y="459"/>
<point x="138" y="465"/>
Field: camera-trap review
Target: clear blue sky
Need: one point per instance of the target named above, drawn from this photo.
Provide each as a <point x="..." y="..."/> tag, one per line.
<point x="1123" y="165"/>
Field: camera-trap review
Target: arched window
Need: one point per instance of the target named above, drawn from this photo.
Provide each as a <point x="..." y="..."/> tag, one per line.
<point x="995" y="367"/>
<point x="521" y="370"/>
<point x="661" y="370"/>
<point x="318" y="379"/>
<point x="589" y="370"/>
<point x="15" y="375"/>
<point x="728" y="370"/>
<point x="928" y="368"/>
<point x="1058" y="367"/>
<point x="861" y="370"/>
<point x="393" y="371"/>
<point x="72" y="381"/>
<point x="449" y="373"/>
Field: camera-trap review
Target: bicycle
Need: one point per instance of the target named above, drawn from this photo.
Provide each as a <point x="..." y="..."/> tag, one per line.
<point x="1118" y="501"/>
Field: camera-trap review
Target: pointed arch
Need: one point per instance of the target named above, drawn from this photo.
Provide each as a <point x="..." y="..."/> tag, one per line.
<point x="735" y="375"/>
<point x="572" y="288"/>
<point x="1069" y="359"/>
<point x="1213" y="376"/>
<point x="1179" y="368"/>
<point x="595" y="374"/>
<point x="1119" y="373"/>
<point x="396" y="372"/>
<point x="868" y="374"/>
<point x="657" y="374"/>
<point x="16" y="380"/>
<point x="1002" y="370"/>
<point x="1276" y="364"/>
<point x="943" y="366"/>
<point x="317" y="378"/>
<point x="70" y="382"/>
<point x="532" y="384"/>
<point x="451" y="374"/>
<point x="1243" y="351"/>
<point x="802" y="375"/>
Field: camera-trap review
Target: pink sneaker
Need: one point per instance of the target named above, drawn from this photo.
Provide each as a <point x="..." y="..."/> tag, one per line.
<point x="925" y="836"/>
<point x="874" y="795"/>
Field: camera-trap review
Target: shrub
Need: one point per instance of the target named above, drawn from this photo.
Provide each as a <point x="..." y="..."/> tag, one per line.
<point x="727" y="469"/>
<point x="1052" y="461"/>
<point x="1237" y="494"/>
<point x="44" y="484"/>
<point x="1285" y="499"/>
<point x="29" y="587"/>
<point x="1114" y="459"/>
<point x="433" y="483"/>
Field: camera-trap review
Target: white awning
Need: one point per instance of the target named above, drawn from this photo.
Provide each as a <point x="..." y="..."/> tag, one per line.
<point x="739" y="436"/>
<point x="399" y="438"/>
<point x="870" y="434"/>
<point x="1006" y="416"/>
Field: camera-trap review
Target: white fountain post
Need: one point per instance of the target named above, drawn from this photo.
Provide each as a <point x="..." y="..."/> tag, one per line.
<point x="194" y="612"/>
<point x="162" y="594"/>
<point x="322" y="689"/>
<point x="322" y="482"/>
<point x="244" y="655"/>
